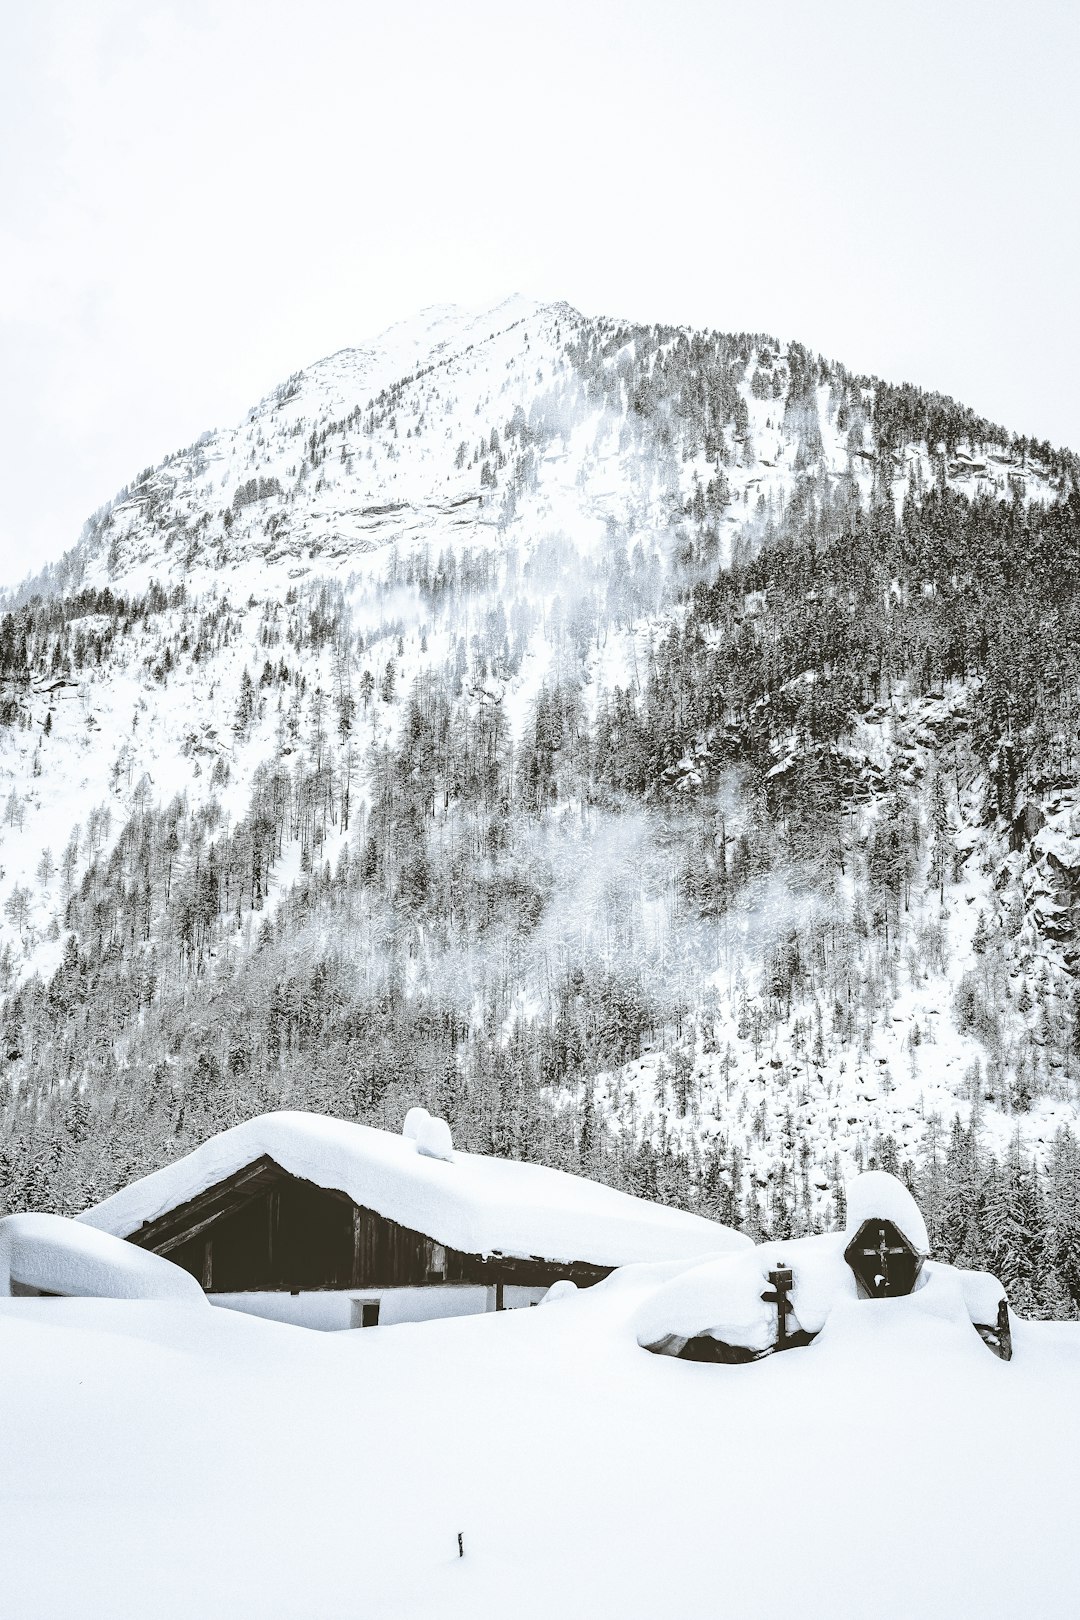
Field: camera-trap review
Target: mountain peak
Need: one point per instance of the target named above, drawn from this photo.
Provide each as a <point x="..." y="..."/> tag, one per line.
<point x="438" y="329"/>
<point x="418" y="419"/>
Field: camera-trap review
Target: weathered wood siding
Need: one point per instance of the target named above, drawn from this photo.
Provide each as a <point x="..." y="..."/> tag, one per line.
<point x="264" y="1230"/>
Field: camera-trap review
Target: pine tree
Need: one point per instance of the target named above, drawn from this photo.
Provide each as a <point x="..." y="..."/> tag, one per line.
<point x="940" y="840"/>
<point x="960" y="1238"/>
<point x="1062" y="1234"/>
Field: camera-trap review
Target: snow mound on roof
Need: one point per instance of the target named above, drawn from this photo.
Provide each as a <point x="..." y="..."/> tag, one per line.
<point x="59" y="1256"/>
<point x="876" y="1195"/>
<point x="432" y="1136"/>
<point x="477" y="1205"/>
<point x="434" y="1140"/>
<point x="722" y="1298"/>
<point x="413" y="1120"/>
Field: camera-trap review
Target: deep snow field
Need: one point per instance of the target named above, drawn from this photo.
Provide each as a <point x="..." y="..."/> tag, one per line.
<point x="163" y="1460"/>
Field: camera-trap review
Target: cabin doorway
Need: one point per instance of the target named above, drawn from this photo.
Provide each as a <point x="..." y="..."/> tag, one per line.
<point x="365" y="1313"/>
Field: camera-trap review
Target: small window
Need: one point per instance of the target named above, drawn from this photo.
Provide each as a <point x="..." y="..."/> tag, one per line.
<point x="365" y="1313"/>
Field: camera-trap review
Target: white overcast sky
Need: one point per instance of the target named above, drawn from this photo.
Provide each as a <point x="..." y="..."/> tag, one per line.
<point x="198" y="198"/>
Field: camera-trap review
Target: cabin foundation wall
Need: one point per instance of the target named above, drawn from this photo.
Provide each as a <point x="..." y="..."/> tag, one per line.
<point x="330" y="1309"/>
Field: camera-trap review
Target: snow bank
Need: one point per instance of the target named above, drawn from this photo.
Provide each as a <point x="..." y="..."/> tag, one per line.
<point x="876" y="1195"/>
<point x="51" y="1254"/>
<point x="476" y="1204"/>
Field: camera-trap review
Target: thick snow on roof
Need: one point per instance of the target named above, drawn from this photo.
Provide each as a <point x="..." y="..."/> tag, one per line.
<point x="57" y="1256"/>
<point x="471" y="1203"/>
<point x="877" y="1195"/>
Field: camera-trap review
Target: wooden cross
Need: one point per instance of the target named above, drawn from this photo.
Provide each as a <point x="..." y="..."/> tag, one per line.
<point x="778" y="1296"/>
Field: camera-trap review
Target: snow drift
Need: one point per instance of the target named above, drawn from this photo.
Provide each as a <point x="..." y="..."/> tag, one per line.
<point x="49" y="1254"/>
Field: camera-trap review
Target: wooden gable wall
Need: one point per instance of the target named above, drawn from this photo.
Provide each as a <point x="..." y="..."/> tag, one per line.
<point x="264" y="1230"/>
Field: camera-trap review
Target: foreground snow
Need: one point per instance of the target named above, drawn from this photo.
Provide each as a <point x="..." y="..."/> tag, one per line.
<point x="168" y="1462"/>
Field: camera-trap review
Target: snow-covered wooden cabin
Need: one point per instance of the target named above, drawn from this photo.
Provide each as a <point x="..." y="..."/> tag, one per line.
<point x="330" y="1224"/>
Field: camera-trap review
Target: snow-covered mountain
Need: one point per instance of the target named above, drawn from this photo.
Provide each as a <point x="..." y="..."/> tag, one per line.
<point x="655" y="749"/>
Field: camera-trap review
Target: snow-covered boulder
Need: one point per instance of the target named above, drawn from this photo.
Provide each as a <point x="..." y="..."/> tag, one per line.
<point x="49" y="1254"/>
<point x="563" y="1289"/>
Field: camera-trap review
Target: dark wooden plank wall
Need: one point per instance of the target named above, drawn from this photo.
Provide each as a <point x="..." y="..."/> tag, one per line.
<point x="265" y="1230"/>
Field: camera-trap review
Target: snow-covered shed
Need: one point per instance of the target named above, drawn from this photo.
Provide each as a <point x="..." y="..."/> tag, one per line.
<point x="887" y="1238"/>
<point x="779" y="1295"/>
<point x="333" y="1224"/>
